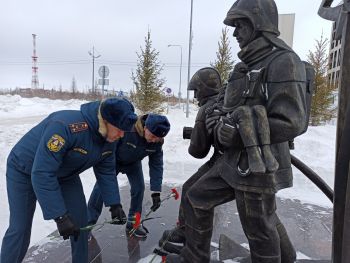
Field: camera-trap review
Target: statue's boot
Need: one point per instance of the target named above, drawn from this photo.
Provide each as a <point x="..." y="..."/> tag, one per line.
<point x="244" y="119"/>
<point x="255" y="160"/>
<point x="263" y="130"/>
<point x="271" y="163"/>
<point x="175" y="235"/>
<point x="288" y="254"/>
<point x="197" y="247"/>
<point x="265" y="259"/>
<point x="172" y="248"/>
<point x="174" y="258"/>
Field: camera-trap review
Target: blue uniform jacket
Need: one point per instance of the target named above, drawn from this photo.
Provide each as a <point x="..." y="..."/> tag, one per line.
<point x="63" y="145"/>
<point x="133" y="148"/>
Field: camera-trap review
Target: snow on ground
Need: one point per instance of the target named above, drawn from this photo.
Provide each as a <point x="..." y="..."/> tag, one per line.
<point x="18" y="115"/>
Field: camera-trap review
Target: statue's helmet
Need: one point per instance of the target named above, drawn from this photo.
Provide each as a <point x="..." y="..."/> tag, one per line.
<point x="205" y="82"/>
<point x="263" y="14"/>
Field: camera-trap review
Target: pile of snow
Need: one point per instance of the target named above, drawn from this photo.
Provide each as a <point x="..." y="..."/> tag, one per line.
<point x="18" y="115"/>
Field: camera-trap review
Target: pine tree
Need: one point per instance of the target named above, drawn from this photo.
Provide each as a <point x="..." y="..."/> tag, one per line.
<point x="322" y="108"/>
<point x="224" y="62"/>
<point x="148" y="96"/>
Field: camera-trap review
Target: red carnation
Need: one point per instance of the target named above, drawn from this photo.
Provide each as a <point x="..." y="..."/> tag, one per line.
<point x="175" y="193"/>
<point x="137" y="222"/>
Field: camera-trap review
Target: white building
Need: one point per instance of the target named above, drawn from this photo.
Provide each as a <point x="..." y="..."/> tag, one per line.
<point x="286" y="28"/>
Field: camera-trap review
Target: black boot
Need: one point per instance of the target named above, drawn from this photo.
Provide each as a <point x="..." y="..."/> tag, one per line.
<point x="140" y="232"/>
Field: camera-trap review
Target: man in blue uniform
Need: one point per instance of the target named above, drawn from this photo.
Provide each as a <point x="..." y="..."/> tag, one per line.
<point x="45" y="166"/>
<point x="145" y="140"/>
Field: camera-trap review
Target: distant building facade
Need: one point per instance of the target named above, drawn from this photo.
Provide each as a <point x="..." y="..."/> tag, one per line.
<point x="286" y="27"/>
<point x="333" y="71"/>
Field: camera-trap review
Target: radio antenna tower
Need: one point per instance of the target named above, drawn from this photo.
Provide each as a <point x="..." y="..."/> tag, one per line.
<point x="35" y="80"/>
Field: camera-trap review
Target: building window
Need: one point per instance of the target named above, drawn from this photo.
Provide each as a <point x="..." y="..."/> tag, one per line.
<point x="330" y="61"/>
<point x="337" y="78"/>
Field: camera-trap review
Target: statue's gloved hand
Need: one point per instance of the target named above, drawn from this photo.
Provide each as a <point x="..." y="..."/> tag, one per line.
<point x="66" y="227"/>
<point x="211" y="120"/>
<point x="226" y="133"/>
<point x="118" y="215"/>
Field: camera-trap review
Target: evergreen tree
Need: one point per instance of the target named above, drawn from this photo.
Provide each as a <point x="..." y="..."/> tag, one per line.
<point x="148" y="96"/>
<point x="224" y="62"/>
<point x="322" y="108"/>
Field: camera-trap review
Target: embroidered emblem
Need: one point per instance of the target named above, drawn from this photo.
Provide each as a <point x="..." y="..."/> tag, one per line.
<point x="55" y="143"/>
<point x="132" y="145"/>
<point x="107" y="152"/>
<point x="82" y="151"/>
<point x="78" y="127"/>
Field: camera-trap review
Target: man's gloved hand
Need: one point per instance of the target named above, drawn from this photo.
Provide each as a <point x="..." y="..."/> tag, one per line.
<point x="156" y="201"/>
<point x="118" y="215"/>
<point x="226" y="133"/>
<point x="66" y="227"/>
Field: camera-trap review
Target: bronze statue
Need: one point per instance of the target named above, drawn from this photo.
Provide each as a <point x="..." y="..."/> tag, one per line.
<point x="275" y="80"/>
<point x="206" y="84"/>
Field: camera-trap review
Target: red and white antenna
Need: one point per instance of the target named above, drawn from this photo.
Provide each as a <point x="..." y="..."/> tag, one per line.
<point x="35" y="80"/>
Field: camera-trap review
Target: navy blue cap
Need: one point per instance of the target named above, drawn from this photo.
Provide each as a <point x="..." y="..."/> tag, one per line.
<point x="157" y="124"/>
<point x="119" y="112"/>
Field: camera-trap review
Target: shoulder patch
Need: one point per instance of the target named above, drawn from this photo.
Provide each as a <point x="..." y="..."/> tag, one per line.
<point x="78" y="127"/>
<point x="55" y="143"/>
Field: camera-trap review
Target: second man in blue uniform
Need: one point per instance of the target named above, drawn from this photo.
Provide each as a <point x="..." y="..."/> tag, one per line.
<point x="146" y="139"/>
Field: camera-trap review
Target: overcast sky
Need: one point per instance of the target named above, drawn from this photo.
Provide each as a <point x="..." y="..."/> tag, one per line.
<point x="67" y="29"/>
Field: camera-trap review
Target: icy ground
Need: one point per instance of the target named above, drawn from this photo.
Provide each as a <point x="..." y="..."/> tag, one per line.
<point x="18" y="115"/>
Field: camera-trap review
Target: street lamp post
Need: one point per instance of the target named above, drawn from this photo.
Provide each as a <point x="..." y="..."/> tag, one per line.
<point x="92" y="54"/>
<point x="189" y="62"/>
<point x="180" y="71"/>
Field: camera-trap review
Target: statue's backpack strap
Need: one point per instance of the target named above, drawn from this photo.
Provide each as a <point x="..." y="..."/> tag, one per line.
<point x="257" y="79"/>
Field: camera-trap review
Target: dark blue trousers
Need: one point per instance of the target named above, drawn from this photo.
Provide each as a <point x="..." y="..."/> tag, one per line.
<point x="22" y="202"/>
<point x="137" y="187"/>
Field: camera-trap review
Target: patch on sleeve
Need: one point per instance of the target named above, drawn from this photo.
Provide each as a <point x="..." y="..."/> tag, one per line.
<point x="81" y="150"/>
<point x="55" y="143"/>
<point x="78" y="127"/>
<point x="106" y="152"/>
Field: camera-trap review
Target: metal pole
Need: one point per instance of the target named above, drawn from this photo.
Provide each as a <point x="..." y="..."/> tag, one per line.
<point x="93" y="70"/>
<point x="92" y="54"/>
<point x="180" y="71"/>
<point x="180" y="77"/>
<point x="189" y="62"/>
<point x="341" y="209"/>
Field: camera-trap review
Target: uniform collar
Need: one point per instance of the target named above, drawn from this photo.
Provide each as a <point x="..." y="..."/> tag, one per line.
<point x="102" y="128"/>
<point x="140" y="125"/>
<point x="255" y="51"/>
